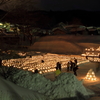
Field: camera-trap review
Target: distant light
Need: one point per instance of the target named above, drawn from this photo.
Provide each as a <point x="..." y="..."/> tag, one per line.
<point x="4" y="26"/>
<point x="1" y="24"/>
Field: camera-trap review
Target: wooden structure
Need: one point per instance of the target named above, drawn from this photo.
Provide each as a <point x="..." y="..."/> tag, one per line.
<point x="58" y="31"/>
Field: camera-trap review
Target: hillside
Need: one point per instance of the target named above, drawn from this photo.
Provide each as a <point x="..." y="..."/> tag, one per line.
<point x="65" y="44"/>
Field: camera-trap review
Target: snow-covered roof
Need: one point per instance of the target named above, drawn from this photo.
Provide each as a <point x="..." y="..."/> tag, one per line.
<point x="57" y="28"/>
<point x="80" y="29"/>
<point x="90" y="27"/>
<point x="71" y="26"/>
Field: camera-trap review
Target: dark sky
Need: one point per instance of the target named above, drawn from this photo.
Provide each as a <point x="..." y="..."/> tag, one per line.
<point x="63" y="5"/>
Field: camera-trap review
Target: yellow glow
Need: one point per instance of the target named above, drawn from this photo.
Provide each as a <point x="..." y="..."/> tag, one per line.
<point x="40" y="72"/>
<point x="92" y="79"/>
<point x="1" y="24"/>
<point x="90" y="75"/>
<point x="35" y="62"/>
<point x="87" y="75"/>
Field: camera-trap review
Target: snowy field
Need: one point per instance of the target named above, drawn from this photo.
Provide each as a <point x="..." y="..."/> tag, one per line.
<point x="34" y="62"/>
<point x="23" y="84"/>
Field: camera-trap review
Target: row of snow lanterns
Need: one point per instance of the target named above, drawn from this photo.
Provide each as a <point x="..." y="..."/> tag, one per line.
<point x="91" y="52"/>
<point x="41" y="67"/>
<point x="92" y="49"/>
<point x="41" y="71"/>
<point x="90" y="75"/>
<point x="44" y="69"/>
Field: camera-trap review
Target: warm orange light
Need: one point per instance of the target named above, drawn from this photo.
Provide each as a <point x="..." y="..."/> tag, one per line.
<point x="90" y="75"/>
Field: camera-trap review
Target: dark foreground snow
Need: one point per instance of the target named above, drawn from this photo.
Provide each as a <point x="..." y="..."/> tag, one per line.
<point x="65" y="86"/>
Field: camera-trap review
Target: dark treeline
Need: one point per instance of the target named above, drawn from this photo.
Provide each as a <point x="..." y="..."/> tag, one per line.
<point x="49" y="19"/>
<point x="87" y="18"/>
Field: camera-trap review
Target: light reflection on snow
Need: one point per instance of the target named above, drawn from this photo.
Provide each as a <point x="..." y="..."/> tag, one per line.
<point x="50" y="60"/>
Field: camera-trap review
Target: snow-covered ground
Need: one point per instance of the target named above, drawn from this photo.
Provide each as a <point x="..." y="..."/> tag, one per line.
<point x="31" y="86"/>
<point x="66" y="85"/>
<point x="50" y="60"/>
<point x="25" y="85"/>
<point x="10" y="91"/>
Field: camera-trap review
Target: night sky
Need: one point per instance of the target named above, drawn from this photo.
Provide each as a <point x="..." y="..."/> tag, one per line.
<point x="63" y="5"/>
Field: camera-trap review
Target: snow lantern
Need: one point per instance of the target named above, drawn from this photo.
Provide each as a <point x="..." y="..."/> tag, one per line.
<point x="90" y="75"/>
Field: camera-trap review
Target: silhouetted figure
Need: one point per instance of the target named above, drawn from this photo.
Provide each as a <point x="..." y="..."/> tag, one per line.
<point x="73" y="64"/>
<point x="75" y="69"/>
<point x="42" y="61"/>
<point x="87" y="57"/>
<point x="0" y="62"/>
<point x="68" y="66"/>
<point x="30" y="56"/>
<point x="58" y="66"/>
<point x="75" y="60"/>
<point x="99" y="56"/>
<point x="36" y="71"/>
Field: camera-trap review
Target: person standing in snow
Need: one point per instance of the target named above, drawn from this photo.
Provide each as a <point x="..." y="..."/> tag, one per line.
<point x="42" y="61"/>
<point x="57" y="72"/>
<point x="58" y="66"/>
<point x="86" y="57"/>
<point x="99" y="56"/>
<point x="68" y="66"/>
<point x="0" y="62"/>
<point x="73" y="64"/>
<point x="75" y="60"/>
<point x="36" y="71"/>
<point x="75" y="69"/>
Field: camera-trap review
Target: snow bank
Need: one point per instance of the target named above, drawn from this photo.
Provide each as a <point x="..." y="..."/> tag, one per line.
<point x="30" y="80"/>
<point x="10" y="91"/>
<point x="65" y="86"/>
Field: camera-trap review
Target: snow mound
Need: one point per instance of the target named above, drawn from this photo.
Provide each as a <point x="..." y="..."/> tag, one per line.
<point x="65" y="44"/>
<point x="65" y="86"/>
<point x="10" y="91"/>
<point x="36" y="82"/>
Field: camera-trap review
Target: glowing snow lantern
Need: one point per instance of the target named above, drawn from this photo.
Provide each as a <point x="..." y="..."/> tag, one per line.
<point x="40" y="72"/>
<point x="90" y="75"/>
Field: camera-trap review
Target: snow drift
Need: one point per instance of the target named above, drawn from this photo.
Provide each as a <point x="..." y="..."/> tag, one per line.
<point x="10" y="91"/>
<point x="65" y="86"/>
